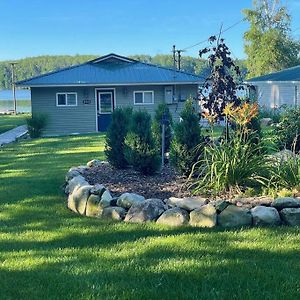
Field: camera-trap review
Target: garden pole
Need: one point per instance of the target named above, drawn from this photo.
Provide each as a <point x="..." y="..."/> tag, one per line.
<point x="163" y="145"/>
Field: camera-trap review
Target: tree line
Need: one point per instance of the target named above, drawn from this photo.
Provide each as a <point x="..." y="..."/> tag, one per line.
<point x="34" y="66"/>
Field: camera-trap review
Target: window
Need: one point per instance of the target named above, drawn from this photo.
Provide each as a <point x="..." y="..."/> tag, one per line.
<point x="143" y="97"/>
<point x="66" y="99"/>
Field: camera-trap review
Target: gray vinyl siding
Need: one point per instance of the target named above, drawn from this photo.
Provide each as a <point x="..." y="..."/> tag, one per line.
<point x="82" y="118"/>
<point x="124" y="97"/>
<point x="68" y="119"/>
<point x="272" y="95"/>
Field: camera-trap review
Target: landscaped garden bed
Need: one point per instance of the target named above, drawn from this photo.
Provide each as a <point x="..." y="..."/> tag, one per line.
<point x="98" y="190"/>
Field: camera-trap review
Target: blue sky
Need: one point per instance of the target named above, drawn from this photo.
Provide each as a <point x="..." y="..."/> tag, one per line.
<point x="39" y="27"/>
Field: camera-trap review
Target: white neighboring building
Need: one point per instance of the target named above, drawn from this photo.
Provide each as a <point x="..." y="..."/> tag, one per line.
<point x="277" y="89"/>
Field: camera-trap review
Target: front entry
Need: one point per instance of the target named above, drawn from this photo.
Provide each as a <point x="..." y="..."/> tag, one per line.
<point x="105" y="107"/>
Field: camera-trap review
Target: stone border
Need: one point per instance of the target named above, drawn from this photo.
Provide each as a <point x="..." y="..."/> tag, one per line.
<point x="96" y="201"/>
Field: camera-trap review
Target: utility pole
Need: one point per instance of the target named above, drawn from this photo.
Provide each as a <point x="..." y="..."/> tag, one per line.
<point x="13" y="85"/>
<point x="174" y="57"/>
<point x="179" y="58"/>
<point x="176" y="61"/>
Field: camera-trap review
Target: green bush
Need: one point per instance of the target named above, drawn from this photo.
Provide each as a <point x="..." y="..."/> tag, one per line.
<point x="140" y="150"/>
<point x="115" y="137"/>
<point x="288" y="130"/>
<point x="273" y="114"/>
<point x="157" y="126"/>
<point x="36" y="124"/>
<point x="186" y="145"/>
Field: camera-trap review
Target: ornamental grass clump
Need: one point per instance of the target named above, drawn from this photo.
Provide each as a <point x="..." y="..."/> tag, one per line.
<point x="235" y="162"/>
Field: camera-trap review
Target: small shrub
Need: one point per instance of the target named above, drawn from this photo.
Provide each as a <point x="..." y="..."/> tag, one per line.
<point x="36" y="124"/>
<point x="288" y="130"/>
<point x="115" y="137"/>
<point x="186" y="145"/>
<point x="140" y="150"/>
<point x="157" y="126"/>
<point x="273" y="114"/>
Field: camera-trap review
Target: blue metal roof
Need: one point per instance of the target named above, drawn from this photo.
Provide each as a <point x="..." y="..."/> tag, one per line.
<point x="109" y="70"/>
<point x="291" y="74"/>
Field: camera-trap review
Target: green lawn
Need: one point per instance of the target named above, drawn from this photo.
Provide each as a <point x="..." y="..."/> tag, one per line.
<point x="48" y="252"/>
<point x="8" y="122"/>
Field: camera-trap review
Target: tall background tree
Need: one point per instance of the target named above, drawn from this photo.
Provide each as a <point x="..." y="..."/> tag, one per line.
<point x="269" y="45"/>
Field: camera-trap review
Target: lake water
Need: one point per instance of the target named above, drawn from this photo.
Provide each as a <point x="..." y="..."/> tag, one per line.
<point x="23" y="101"/>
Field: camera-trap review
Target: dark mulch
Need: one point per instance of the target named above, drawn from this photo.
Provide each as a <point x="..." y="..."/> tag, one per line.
<point x="162" y="185"/>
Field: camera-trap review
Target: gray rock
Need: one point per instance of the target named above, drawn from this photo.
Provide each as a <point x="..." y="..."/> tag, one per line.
<point x="93" y="208"/>
<point x="74" y="183"/>
<point x="126" y="200"/>
<point x="94" y="163"/>
<point x="220" y="205"/>
<point x="263" y="215"/>
<point x="234" y="216"/>
<point x="291" y="216"/>
<point x="283" y="155"/>
<point x="75" y="171"/>
<point x="205" y="216"/>
<point x="98" y="189"/>
<point x="266" y="121"/>
<point x="114" y="213"/>
<point x="188" y="203"/>
<point x="174" y="217"/>
<point x="78" y="199"/>
<point x="286" y="202"/>
<point x="144" y="211"/>
<point x="106" y="199"/>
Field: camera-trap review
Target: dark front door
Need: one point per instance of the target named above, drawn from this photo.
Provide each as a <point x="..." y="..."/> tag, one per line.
<point x="105" y="107"/>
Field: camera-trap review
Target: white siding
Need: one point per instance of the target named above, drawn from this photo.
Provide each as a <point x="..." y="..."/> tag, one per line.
<point x="272" y="95"/>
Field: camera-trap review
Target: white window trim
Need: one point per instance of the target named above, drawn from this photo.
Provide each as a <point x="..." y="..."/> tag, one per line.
<point x="66" y="93"/>
<point x="143" y="93"/>
<point x="112" y="103"/>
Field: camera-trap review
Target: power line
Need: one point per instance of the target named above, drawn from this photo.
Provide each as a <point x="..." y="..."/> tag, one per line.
<point x="221" y="32"/>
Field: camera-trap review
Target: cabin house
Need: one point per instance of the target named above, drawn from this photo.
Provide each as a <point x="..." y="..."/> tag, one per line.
<point x="278" y="89"/>
<point x="81" y="98"/>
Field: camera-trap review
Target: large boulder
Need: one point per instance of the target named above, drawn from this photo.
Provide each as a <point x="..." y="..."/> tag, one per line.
<point x="205" y="216"/>
<point x="188" y="203"/>
<point x="78" y="199"/>
<point x="286" y="202"/>
<point x="148" y="210"/>
<point x="263" y="215"/>
<point x="106" y="199"/>
<point x="93" y="208"/>
<point x="174" y="217"/>
<point x="234" y="216"/>
<point x="126" y="200"/>
<point x="291" y="216"/>
<point x="283" y="155"/>
<point x="75" y="183"/>
<point x="114" y="213"/>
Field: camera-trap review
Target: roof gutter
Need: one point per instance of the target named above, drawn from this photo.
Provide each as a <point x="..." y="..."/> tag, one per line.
<point x="107" y="84"/>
